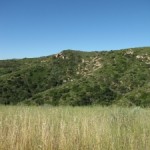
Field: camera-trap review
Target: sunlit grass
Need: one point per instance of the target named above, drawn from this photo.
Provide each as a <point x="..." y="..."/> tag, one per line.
<point x="74" y="128"/>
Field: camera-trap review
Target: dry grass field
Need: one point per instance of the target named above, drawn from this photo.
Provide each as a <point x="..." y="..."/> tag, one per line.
<point x="74" y="128"/>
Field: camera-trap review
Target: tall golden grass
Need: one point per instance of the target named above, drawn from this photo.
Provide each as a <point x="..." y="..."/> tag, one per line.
<point x="74" y="128"/>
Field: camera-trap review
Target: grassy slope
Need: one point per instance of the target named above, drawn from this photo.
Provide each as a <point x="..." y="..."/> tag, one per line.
<point x="78" y="78"/>
<point x="73" y="128"/>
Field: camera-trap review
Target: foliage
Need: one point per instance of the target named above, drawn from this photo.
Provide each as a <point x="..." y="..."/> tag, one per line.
<point x="78" y="78"/>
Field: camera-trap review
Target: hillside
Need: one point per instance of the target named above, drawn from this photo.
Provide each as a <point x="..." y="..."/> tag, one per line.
<point x="119" y="77"/>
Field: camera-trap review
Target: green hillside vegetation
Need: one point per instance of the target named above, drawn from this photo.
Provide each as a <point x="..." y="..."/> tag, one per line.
<point x="78" y="78"/>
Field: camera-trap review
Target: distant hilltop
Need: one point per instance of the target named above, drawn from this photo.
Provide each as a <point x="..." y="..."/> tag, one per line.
<point x="120" y="77"/>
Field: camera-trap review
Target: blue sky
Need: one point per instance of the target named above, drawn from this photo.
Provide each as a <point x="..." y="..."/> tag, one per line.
<point x="32" y="28"/>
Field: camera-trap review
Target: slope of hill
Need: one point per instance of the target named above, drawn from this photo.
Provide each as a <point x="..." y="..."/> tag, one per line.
<point x="78" y="78"/>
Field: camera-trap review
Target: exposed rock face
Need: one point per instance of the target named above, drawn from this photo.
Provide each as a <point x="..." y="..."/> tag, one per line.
<point x="129" y="52"/>
<point x="145" y="58"/>
<point x="88" y="66"/>
<point x="60" y="55"/>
